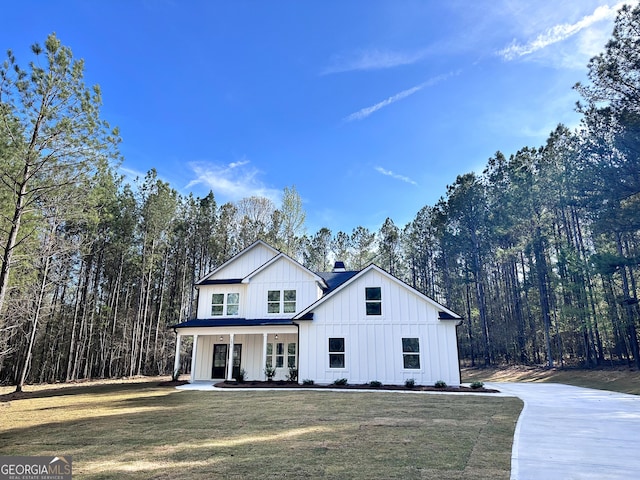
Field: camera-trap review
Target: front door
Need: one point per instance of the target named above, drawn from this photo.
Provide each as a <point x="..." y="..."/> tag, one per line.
<point x="220" y="356"/>
<point x="219" y="369"/>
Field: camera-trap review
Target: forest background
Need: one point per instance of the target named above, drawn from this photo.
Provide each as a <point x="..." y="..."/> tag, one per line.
<point x="539" y="253"/>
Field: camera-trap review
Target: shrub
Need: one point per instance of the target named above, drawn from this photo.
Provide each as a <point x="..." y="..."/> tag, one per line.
<point x="307" y="381"/>
<point x="269" y="372"/>
<point x="440" y="384"/>
<point x="410" y="382"/>
<point x="375" y="383"/>
<point x="241" y="375"/>
<point x="340" y="381"/>
<point x="475" y="385"/>
<point x="293" y="375"/>
<point x="176" y="375"/>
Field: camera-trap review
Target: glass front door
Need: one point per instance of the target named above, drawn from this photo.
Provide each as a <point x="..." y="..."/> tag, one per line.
<point x="219" y="369"/>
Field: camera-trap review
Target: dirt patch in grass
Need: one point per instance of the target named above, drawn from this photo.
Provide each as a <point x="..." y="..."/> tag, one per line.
<point x="142" y="430"/>
<point x="617" y="379"/>
<point x="363" y="386"/>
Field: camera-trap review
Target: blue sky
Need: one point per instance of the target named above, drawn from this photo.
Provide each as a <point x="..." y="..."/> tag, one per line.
<point x="370" y="108"/>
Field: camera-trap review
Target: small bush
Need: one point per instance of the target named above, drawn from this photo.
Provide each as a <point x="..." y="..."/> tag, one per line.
<point x="340" y="381"/>
<point x="476" y="385"/>
<point x="440" y="384"/>
<point x="241" y="375"/>
<point x="307" y="381"/>
<point x="410" y="382"/>
<point x="270" y="372"/>
<point x="293" y="375"/>
<point x="176" y="375"/>
<point x="375" y="383"/>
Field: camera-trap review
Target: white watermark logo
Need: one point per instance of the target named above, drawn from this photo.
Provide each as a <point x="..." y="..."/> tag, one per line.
<point x="35" y="468"/>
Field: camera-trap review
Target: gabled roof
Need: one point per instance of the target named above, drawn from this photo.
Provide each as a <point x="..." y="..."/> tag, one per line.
<point x="287" y="258"/>
<point x="444" y="312"/>
<point x="204" y="280"/>
<point x="335" y="279"/>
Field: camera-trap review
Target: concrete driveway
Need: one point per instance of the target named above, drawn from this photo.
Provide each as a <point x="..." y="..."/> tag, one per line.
<point x="574" y="433"/>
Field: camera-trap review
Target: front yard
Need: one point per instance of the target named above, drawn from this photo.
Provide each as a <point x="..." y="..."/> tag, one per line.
<point x="142" y="431"/>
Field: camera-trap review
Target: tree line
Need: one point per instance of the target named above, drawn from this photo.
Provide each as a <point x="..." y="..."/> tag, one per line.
<point x="539" y="253"/>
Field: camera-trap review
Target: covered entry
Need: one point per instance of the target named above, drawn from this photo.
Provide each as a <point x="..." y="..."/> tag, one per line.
<point x="220" y="351"/>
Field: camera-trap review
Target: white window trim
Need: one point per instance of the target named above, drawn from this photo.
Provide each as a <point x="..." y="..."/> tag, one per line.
<point x="281" y="302"/>
<point x="368" y="315"/>
<point x="225" y="304"/>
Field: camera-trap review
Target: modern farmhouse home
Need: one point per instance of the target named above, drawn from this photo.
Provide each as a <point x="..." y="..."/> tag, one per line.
<point x="263" y="311"/>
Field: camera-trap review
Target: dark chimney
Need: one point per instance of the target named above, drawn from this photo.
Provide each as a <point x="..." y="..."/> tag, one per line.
<point x="339" y="267"/>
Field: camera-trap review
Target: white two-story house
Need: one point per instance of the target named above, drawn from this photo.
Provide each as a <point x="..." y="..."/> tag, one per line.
<point x="263" y="309"/>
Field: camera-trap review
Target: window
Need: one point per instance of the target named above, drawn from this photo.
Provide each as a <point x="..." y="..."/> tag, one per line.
<point x="289" y="301"/>
<point x="281" y="301"/>
<point x="233" y="303"/>
<point x="273" y="301"/>
<point x="218" y="304"/>
<point x="276" y="357"/>
<point x="269" y="362"/>
<point x="411" y="352"/>
<point x="279" y="355"/>
<point x="291" y="355"/>
<point x="373" y="297"/>
<point x="336" y="353"/>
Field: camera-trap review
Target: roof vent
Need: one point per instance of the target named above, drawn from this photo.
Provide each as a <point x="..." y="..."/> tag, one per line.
<point x="339" y="267"/>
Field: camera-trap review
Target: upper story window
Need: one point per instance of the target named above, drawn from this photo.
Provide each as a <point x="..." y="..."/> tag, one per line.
<point x="373" y="298"/>
<point x="221" y="302"/>
<point x="281" y="301"/>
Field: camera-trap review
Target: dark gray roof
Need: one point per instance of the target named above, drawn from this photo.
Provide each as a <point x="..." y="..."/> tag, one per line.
<point x="232" y="322"/>
<point x="335" y="279"/>
<point x="222" y="281"/>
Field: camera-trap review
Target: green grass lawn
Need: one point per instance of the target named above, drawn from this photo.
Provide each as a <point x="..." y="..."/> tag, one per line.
<point x="142" y="431"/>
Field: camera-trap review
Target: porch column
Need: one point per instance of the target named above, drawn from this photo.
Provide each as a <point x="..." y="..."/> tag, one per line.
<point x="264" y="355"/>
<point x="176" y="361"/>
<point x="230" y="359"/>
<point x="194" y="351"/>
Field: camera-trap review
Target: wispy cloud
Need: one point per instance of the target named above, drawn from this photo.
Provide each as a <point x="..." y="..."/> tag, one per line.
<point x="391" y="174"/>
<point x="373" y="59"/>
<point x="365" y="112"/>
<point x="233" y="181"/>
<point x="559" y="33"/>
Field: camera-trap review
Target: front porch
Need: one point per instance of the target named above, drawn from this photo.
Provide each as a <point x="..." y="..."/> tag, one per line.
<point x="222" y="353"/>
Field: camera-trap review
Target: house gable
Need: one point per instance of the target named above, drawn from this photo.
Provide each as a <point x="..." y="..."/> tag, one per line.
<point x="373" y="276"/>
<point x="376" y="327"/>
<point x="281" y="288"/>
<point x="241" y="265"/>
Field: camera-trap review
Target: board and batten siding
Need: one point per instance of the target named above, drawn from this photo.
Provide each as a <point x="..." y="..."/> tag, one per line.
<point x="205" y="296"/>
<point x="243" y="265"/>
<point x="373" y="344"/>
<point x="282" y="275"/>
